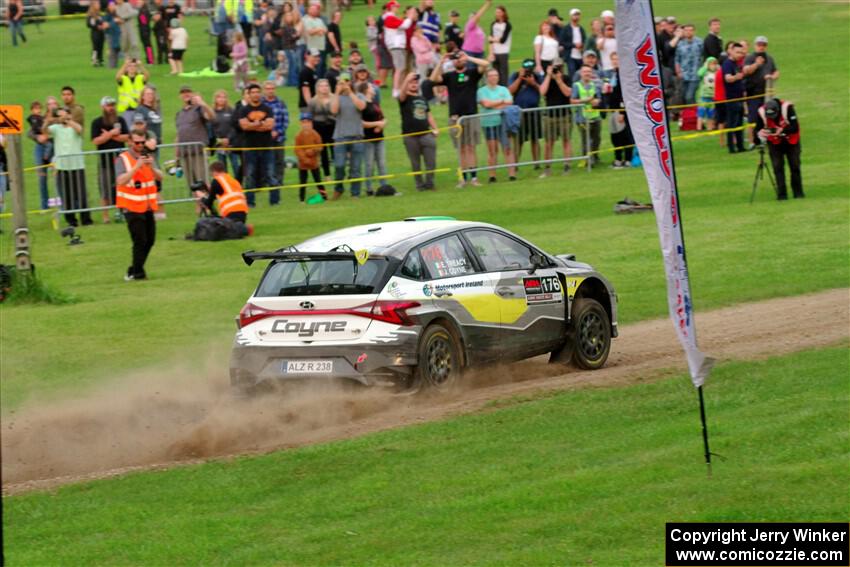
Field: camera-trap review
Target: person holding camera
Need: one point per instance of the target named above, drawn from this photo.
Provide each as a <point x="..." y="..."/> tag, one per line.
<point x="556" y="121"/>
<point x="226" y="194"/>
<point x="524" y="86"/>
<point x="136" y="178"/>
<point x="416" y="118"/>
<point x="776" y="124"/>
<point x="348" y="108"/>
<point x="759" y="68"/>
<point x="191" y="123"/>
<point x="462" y="85"/>
<point x="69" y="163"/>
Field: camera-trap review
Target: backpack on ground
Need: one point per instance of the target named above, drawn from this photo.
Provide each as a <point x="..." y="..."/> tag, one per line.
<point x="212" y="229"/>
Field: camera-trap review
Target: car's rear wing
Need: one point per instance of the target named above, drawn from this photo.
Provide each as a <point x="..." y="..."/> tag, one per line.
<point x="291" y="255"/>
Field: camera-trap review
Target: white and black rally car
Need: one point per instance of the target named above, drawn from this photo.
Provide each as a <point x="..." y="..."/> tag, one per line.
<point x="412" y="303"/>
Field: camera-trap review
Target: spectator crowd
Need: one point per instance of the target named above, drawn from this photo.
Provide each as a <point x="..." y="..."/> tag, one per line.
<point x="520" y="97"/>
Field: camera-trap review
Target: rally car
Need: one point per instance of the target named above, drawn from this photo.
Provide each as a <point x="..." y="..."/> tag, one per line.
<point x="413" y="303"/>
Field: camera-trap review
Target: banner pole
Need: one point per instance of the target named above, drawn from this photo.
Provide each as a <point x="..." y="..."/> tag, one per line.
<point x="704" y="430"/>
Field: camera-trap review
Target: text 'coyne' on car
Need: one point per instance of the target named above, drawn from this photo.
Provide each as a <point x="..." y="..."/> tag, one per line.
<point x="413" y="303"/>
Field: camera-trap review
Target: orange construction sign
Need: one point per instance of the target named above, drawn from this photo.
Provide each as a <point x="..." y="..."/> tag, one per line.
<point x="11" y="119"/>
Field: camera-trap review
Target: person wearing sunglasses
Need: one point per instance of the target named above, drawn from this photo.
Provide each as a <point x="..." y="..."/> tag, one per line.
<point x="136" y="178"/>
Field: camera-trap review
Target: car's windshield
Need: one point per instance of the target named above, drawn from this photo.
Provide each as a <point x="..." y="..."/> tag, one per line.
<point x="322" y="277"/>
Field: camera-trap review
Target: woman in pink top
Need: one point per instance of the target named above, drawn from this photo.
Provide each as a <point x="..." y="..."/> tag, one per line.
<point x="474" y="37"/>
<point x="423" y="50"/>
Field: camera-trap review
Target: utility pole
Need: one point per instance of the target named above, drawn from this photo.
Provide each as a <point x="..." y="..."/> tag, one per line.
<point x="11" y="125"/>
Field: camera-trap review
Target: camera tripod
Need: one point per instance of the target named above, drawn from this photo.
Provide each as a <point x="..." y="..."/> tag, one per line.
<point x="762" y="167"/>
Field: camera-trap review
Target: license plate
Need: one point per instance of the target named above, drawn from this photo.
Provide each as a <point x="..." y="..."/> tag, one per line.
<point x="307" y="366"/>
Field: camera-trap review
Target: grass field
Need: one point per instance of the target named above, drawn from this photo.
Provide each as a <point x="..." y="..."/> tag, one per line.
<point x="737" y="252"/>
<point x="584" y="477"/>
<point x="579" y="477"/>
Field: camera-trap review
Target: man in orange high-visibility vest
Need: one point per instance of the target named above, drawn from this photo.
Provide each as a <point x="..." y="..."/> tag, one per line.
<point x="135" y="179"/>
<point x="227" y="193"/>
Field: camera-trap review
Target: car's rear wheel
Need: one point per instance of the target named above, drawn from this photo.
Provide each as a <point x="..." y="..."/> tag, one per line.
<point x="591" y="334"/>
<point x="440" y="362"/>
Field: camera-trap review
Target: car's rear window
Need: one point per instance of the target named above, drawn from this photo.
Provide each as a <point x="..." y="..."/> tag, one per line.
<point x="322" y="277"/>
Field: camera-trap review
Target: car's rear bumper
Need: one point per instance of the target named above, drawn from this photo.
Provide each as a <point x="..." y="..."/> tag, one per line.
<point x="368" y="364"/>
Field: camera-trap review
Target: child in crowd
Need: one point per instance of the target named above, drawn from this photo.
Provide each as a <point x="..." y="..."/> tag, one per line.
<point x="42" y="151"/>
<point x="308" y="157"/>
<point x="423" y="51"/>
<point x="706" y="74"/>
<point x="178" y="39"/>
<point x="279" y="75"/>
<point x="239" y="54"/>
<point x="372" y="39"/>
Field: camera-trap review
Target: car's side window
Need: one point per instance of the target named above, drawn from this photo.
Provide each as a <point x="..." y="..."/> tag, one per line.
<point x="412" y="266"/>
<point x="498" y="252"/>
<point x="446" y="258"/>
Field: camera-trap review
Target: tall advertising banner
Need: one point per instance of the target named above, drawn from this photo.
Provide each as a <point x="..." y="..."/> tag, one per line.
<point x="641" y="82"/>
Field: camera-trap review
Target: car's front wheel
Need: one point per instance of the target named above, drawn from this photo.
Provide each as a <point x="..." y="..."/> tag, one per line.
<point x="440" y="362"/>
<point x="591" y="333"/>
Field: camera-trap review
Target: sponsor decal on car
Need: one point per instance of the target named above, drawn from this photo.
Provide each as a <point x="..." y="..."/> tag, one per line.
<point x="572" y="286"/>
<point x="395" y="290"/>
<point x="543" y="289"/>
<point x="427" y="290"/>
<point x="308" y="329"/>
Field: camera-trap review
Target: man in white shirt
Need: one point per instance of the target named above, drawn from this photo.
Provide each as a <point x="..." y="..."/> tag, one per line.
<point x="572" y="42"/>
<point x="315" y="33"/>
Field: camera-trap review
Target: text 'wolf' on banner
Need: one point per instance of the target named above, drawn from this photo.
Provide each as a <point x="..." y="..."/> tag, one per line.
<point x="641" y="81"/>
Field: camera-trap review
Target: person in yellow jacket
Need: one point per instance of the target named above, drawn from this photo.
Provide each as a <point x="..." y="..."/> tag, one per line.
<point x="136" y="176"/>
<point x="227" y="195"/>
<point x="131" y="79"/>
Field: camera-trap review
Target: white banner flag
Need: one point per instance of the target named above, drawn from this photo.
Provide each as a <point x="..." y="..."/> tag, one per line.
<point x="641" y="82"/>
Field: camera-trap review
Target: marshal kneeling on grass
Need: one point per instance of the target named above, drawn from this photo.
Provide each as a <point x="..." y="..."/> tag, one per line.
<point x="411" y="304"/>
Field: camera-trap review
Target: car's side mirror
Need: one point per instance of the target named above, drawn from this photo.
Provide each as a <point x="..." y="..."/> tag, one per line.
<point x="537" y="261"/>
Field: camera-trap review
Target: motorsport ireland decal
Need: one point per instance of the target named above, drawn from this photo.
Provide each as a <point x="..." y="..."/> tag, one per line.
<point x="643" y="94"/>
<point x="546" y="289"/>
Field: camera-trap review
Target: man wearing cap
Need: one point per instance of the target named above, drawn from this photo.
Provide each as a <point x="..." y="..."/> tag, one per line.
<point x="315" y="33"/>
<point x="226" y="193"/>
<point x="416" y="118"/>
<point x="524" y="86"/>
<point x="334" y="69"/>
<point x="776" y="124"/>
<point x="395" y="38"/>
<point x="462" y="85"/>
<point x="572" y="38"/>
<point x="454" y="32"/>
<point x="555" y="22"/>
<point x="759" y="68"/>
<point x="588" y="59"/>
<point x="307" y="78"/>
<point x="360" y="74"/>
<point x="257" y="121"/>
<point x="109" y="132"/>
<point x="191" y="122"/>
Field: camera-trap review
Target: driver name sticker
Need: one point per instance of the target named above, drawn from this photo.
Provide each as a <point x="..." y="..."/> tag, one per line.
<point x="544" y="289"/>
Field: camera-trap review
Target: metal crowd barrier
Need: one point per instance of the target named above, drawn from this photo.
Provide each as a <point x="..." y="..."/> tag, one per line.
<point x="547" y="134"/>
<point x="85" y="182"/>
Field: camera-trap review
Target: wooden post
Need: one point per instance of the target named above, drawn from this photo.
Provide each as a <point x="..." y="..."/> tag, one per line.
<point x="19" y="203"/>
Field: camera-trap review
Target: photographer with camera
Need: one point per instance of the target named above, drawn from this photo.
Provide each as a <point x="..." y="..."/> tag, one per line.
<point x="226" y="193"/>
<point x="776" y="124"/>
<point x="524" y="86"/>
<point x="69" y="163"/>
<point x="136" y="177"/>
<point x="348" y="108"/>
<point x="556" y="121"/>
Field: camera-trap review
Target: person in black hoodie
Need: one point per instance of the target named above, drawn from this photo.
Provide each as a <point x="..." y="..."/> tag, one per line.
<point x="618" y="122"/>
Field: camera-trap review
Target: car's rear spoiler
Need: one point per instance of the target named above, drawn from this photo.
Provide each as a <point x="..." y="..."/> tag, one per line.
<point x="250" y="256"/>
